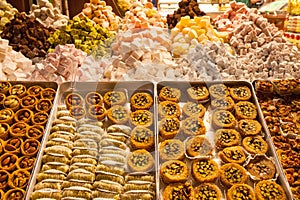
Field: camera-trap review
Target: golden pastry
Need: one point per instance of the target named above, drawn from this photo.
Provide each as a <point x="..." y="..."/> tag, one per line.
<point x="4" y="130"/>
<point x="242" y="93"/>
<point x="141" y="101"/>
<point x="40" y="118"/>
<point x="141" y="118"/>
<point x="177" y="191"/>
<point x="48" y="93"/>
<point x="172" y="149"/>
<point x="35" y="132"/>
<point x="207" y="191"/>
<point x="226" y="138"/>
<point x="234" y="154"/>
<point x="261" y="168"/>
<point x="193" y="109"/>
<point x="29" y="102"/>
<point x="169" y="127"/>
<point x="26" y="163"/>
<point x="173" y="171"/>
<point x="193" y="126"/>
<point x="112" y="98"/>
<point x="232" y="173"/>
<point x="4" y="179"/>
<point x="169" y="109"/>
<point x="18" y="90"/>
<point x="13" y="145"/>
<point x="73" y="99"/>
<point x="19" y="179"/>
<point x="218" y="91"/>
<point x="205" y="170"/>
<point x="4" y="87"/>
<point x="240" y="191"/>
<point x="8" y="162"/>
<point x="30" y="147"/>
<point x="198" y="146"/>
<point x="140" y="160"/>
<point x="2" y="97"/>
<point x="93" y="98"/>
<point x="15" y="194"/>
<point x="18" y="130"/>
<point x="245" y="110"/>
<point x="118" y="114"/>
<point x="97" y="112"/>
<point x="249" y="127"/>
<point x="223" y="119"/>
<point x="142" y="138"/>
<point x="12" y="102"/>
<point x="255" y="145"/>
<point x="6" y="116"/>
<point x="35" y="90"/>
<point x="169" y="94"/>
<point x="43" y="105"/>
<point x="198" y="92"/>
<point x="224" y="103"/>
<point x="264" y="86"/>
<point x="268" y="189"/>
<point x="23" y="115"/>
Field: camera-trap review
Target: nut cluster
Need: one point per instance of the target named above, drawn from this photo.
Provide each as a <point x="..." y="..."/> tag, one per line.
<point x="226" y="137"/>
<point x="270" y="191"/>
<point x="199" y="91"/>
<point x="234" y="154"/>
<point x="181" y="192"/>
<point x="170" y="125"/>
<point x="205" y="168"/>
<point x="233" y="175"/>
<point x="142" y="135"/>
<point x="171" y="149"/>
<point x="194" y="108"/>
<point x="241" y="192"/>
<point x="174" y="168"/>
<point x="140" y="160"/>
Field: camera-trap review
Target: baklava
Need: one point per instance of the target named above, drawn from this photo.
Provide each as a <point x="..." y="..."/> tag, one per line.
<point x="15" y="194"/>
<point x="29" y="102"/>
<point x="4" y="87"/>
<point x="4" y="130"/>
<point x="268" y="189"/>
<point x="177" y="191"/>
<point x="232" y="173"/>
<point x="205" y="170"/>
<point x="97" y="112"/>
<point x="93" y="98"/>
<point x="207" y="191"/>
<point x="13" y="145"/>
<point x="193" y="109"/>
<point x="241" y="191"/>
<point x="245" y="110"/>
<point x="198" y="93"/>
<point x="264" y="86"/>
<point x="142" y="138"/>
<point x="198" y="146"/>
<point x="226" y="138"/>
<point x="173" y="171"/>
<point x="30" y="147"/>
<point x="35" y="90"/>
<point x="193" y="126"/>
<point x="6" y="116"/>
<point x="140" y="161"/>
<point x="118" y="114"/>
<point x="43" y="105"/>
<point x="18" y="90"/>
<point x="48" y="93"/>
<point x="242" y="93"/>
<point x="112" y="98"/>
<point x="169" y="127"/>
<point x="169" y="94"/>
<point x="218" y="91"/>
<point x="261" y="168"/>
<point x="4" y="179"/>
<point x="169" y="109"/>
<point x="73" y="99"/>
<point x="223" y="119"/>
<point x="39" y="118"/>
<point x="249" y="127"/>
<point x="141" y="101"/>
<point x="225" y="103"/>
<point x="18" y="130"/>
<point x="172" y="149"/>
<point x="19" y="179"/>
<point x="255" y="145"/>
<point x="23" y="115"/>
<point x="234" y="154"/>
<point x="8" y="162"/>
<point x="12" y="102"/>
<point x="141" y="118"/>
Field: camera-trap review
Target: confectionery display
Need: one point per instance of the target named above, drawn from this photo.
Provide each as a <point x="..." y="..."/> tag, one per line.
<point x="6" y="14"/>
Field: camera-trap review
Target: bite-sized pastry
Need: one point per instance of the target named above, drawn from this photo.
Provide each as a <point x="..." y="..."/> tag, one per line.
<point x="85" y="166"/>
<point x="4" y="130"/>
<point x="76" y="183"/>
<point x="44" y="105"/>
<point x="245" y="110"/>
<point x="205" y="170"/>
<point x="2" y="97"/>
<point x="139" y="188"/>
<point x="63" y="127"/>
<point x="224" y="103"/>
<point x="218" y="91"/>
<point x="18" y="130"/>
<point x="59" y="141"/>
<point x="82" y="175"/>
<point x="84" y="151"/>
<point x="193" y="126"/>
<point x="30" y="147"/>
<point x="19" y="179"/>
<point x="198" y="146"/>
<point x="39" y="118"/>
<point x="169" y="109"/>
<point x="207" y="191"/>
<point x="282" y="87"/>
<point x="35" y="132"/>
<point x="73" y="99"/>
<point x="140" y="160"/>
<point x="19" y="90"/>
<point x="12" y="102"/>
<point x="49" y="184"/>
<point x="268" y="189"/>
<point x="102" y="194"/>
<point x="169" y="94"/>
<point x="232" y="173"/>
<point x="145" y="196"/>
<point x="110" y="177"/>
<point x="16" y="194"/>
<point x="54" y="157"/>
<point x="4" y="87"/>
<point x="59" y="150"/>
<point x="141" y="101"/>
<point x="110" y="169"/>
<point x="29" y="102"/>
<point x="108" y="186"/>
<point x="240" y="191"/>
<point x="234" y="154"/>
<point x="8" y="162"/>
<point x="62" y="113"/>
<point x="264" y="86"/>
<point x="173" y="171"/>
<point x="4" y="179"/>
<point x="65" y="122"/>
<point x="57" y="166"/>
<point x="35" y="90"/>
<point x="249" y="127"/>
<point x="86" y="143"/>
<point x="169" y="127"/>
<point x="97" y="112"/>
<point x="193" y="109"/>
<point x="51" y="174"/>
<point x="122" y="137"/>
<point x="142" y="177"/>
<point x="226" y="138"/>
<point x="13" y="145"/>
<point x="255" y="145"/>
<point x="48" y="93"/>
<point x="6" y="116"/>
<point x="261" y="168"/>
<point x="23" y="115"/>
<point x="142" y="138"/>
<point x="91" y="128"/>
<point x="93" y="98"/>
<point x="46" y="194"/>
<point x="77" y="192"/>
<point x="113" y="142"/>
<point x="113" y="98"/>
<point x="141" y="118"/>
<point x="223" y="119"/>
<point x="119" y="128"/>
<point x="112" y="159"/>
<point x="84" y="159"/>
<point x="78" y="112"/>
<point x="242" y="93"/>
<point x="179" y="191"/>
<point x="2" y="144"/>
<point x="172" y="149"/>
<point x="118" y="114"/>
<point x="198" y="92"/>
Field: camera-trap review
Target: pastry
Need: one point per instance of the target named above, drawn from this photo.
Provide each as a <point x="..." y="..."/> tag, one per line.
<point x="77" y="192"/>
<point x="8" y="162"/>
<point x="169" y="94"/>
<point x="48" y="184"/>
<point x="249" y="127"/>
<point x="218" y="91"/>
<point x="35" y="90"/>
<point x="242" y="93"/>
<point x="97" y="112"/>
<point x="12" y="102"/>
<point x="245" y="110"/>
<point x="1" y="194"/>
<point x="193" y="126"/>
<point x="40" y="118"/>
<point x="179" y="191"/>
<point x="81" y="175"/>
<point x="205" y="170"/>
<point x="19" y="179"/>
<point x="255" y="145"/>
<point x="141" y="101"/>
<point x="4" y="179"/>
<point x="73" y="99"/>
<point x="51" y="174"/>
<point x="46" y="194"/>
<point x="169" y="127"/>
<point x="198" y="146"/>
<point x="173" y="171"/>
<point x="13" y="145"/>
<point x="261" y="168"/>
<point x="35" y="132"/>
<point x="207" y="191"/>
<point x="29" y="102"/>
<point x="26" y="163"/>
<point x="77" y="112"/>
<point x="118" y="114"/>
<point x="240" y="191"/>
<point x="226" y="138"/>
<point x="48" y="93"/>
<point x="140" y="161"/>
<point x="4" y="130"/>
<point x="141" y="118"/>
<point x="193" y="109"/>
<point x="15" y="194"/>
<point x="6" y="116"/>
<point x="30" y="147"/>
<point x="223" y="119"/>
<point x="142" y="138"/>
<point x="172" y="149"/>
<point x="224" y="103"/>
<point x="268" y="189"/>
<point x="168" y="109"/>
<point x="198" y="92"/>
<point x="18" y="90"/>
<point x="2" y="97"/>
<point x="4" y="87"/>
<point x="23" y="115"/>
<point x="264" y="86"/>
<point x="44" y="105"/>
<point x="232" y="173"/>
<point x="93" y="98"/>
<point x="234" y="154"/>
<point x="282" y="87"/>
<point x="112" y="98"/>
<point x="18" y="130"/>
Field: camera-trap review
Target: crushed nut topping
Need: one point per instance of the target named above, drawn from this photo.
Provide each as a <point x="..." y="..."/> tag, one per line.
<point x="247" y="109"/>
<point x="142" y="117"/>
<point x="174" y="168"/>
<point x="140" y="159"/>
<point x="194" y="107"/>
<point x="170" y="124"/>
<point x="234" y="154"/>
<point x="169" y="92"/>
<point x="241" y="192"/>
<point x="206" y="192"/>
<point x="226" y="136"/>
<point x="97" y="110"/>
<point x="225" y="117"/>
<point x="255" y="143"/>
<point x="74" y="99"/>
<point x="182" y="191"/>
<point x="119" y="113"/>
<point x="233" y="175"/>
<point x="141" y="99"/>
<point x="205" y="168"/>
<point x="142" y="135"/>
<point x="169" y="108"/>
<point x="199" y="91"/>
<point x="171" y="149"/>
<point x="241" y="92"/>
<point x="114" y="96"/>
<point x="218" y="90"/>
<point x="270" y="190"/>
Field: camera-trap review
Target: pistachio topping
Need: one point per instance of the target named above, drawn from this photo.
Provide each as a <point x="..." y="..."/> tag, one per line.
<point x="270" y="190"/>
<point x="74" y="99"/>
<point x="255" y="143"/>
<point x="141" y="99"/>
<point x="171" y="149"/>
<point x="234" y="154"/>
<point x="206" y="191"/>
<point x="205" y="168"/>
<point x="241" y="192"/>
<point x="226" y="136"/>
<point x="5" y="114"/>
<point x="181" y="192"/>
<point x="140" y="159"/>
<point x="119" y="112"/>
<point x="241" y="92"/>
<point x="169" y="92"/>
<point x="4" y="86"/>
<point x="194" y="126"/>
<point x="170" y="124"/>
<point x="194" y="107"/>
<point x="218" y="90"/>
<point x="174" y="168"/>
<point x="233" y="175"/>
<point x="114" y="96"/>
<point x="199" y="90"/>
<point x="247" y="109"/>
<point x="248" y="126"/>
<point x="142" y="135"/>
<point x="141" y="117"/>
<point x="169" y="108"/>
<point x="225" y="117"/>
<point x="18" y="89"/>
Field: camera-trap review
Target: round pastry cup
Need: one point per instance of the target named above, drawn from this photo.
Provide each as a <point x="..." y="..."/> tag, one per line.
<point x="1" y="194"/>
<point x="18" y="130"/>
<point x="223" y="155"/>
<point x="40" y="118"/>
<point x="77" y="112"/>
<point x="165" y="91"/>
<point x="2" y="97"/>
<point x="163" y="104"/>
<point x="218" y="124"/>
<point x="142" y="133"/>
<point x="252" y="122"/>
<point x="202" y="145"/>
<point x="144" y="114"/>
<point x="175" y="144"/>
<point x="93" y="98"/>
<point x="4" y="134"/>
<point x="193" y="96"/>
<point x="19" y="90"/>
<point x="5" y="178"/>
<point x="73" y="99"/>
<point x="145" y="97"/>
<point x="264" y="149"/>
<point x="35" y="90"/>
<point x="25" y="159"/>
<point x="168" y="134"/>
<point x="30" y="147"/>
<point x="215" y="106"/>
<point x="232" y="192"/>
<point x="241" y="115"/>
<point x="16" y="175"/>
<point x="171" y="191"/>
<point x="211" y="177"/>
<point x="228" y="133"/>
<point x="121" y="98"/>
<point x="201" y="129"/>
<point x="8" y="162"/>
<point x="23" y="115"/>
<point x="260" y="195"/>
<point x="35" y="132"/>
<point x="231" y="166"/>
<point x="187" y="113"/>
<point x="48" y="93"/>
<point x="7" y="102"/>
<point x="43" y="105"/>
<point x="136" y="167"/>
<point x="177" y="177"/>
<point x="211" y="188"/>
<point x="97" y="112"/>
<point x="4" y="87"/>
<point x="15" y="194"/>
<point x="13" y="145"/>
<point x="264" y="86"/>
<point x="29" y="102"/>
<point x="6" y="116"/>
<point x="245" y="89"/>
<point x="215" y="89"/>
<point x="112" y="110"/>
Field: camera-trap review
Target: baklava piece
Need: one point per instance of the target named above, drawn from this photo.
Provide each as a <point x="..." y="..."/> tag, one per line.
<point x="242" y="93"/>
<point x="171" y="150"/>
<point x="233" y="154"/>
<point x="18" y="130"/>
<point x="173" y="171"/>
<point x="249" y="127"/>
<point x="264" y="86"/>
<point x="12" y="102"/>
<point x="39" y="118"/>
<point x="241" y="191"/>
<point x="193" y="126"/>
<point x="218" y="91"/>
<point x="35" y="90"/>
<point x="177" y="191"/>
<point x="4" y="87"/>
<point x="48" y="93"/>
<point x="169" y="127"/>
<point x="226" y="138"/>
<point x="30" y="147"/>
<point x="140" y="161"/>
<point x="23" y="115"/>
<point x="15" y="194"/>
<point x="169" y="94"/>
<point x="207" y="191"/>
<point x="29" y="102"/>
<point x="205" y="170"/>
<point x="112" y="98"/>
<point x="282" y="87"/>
<point x="198" y="93"/>
<point x="223" y="119"/>
<point x="6" y="116"/>
<point x="261" y="168"/>
<point x="232" y="173"/>
<point x="97" y="112"/>
<point x="73" y="99"/>
<point x="18" y="90"/>
<point x="142" y="138"/>
<point x="198" y="146"/>
<point x="19" y="179"/>
<point x="93" y="98"/>
<point x="118" y="114"/>
<point x="13" y="145"/>
<point x="26" y="163"/>
<point x="224" y="103"/>
<point x="8" y="162"/>
<point x="255" y="145"/>
<point x="191" y="109"/>
<point x="268" y="189"/>
<point x="4" y="130"/>
<point x="169" y="109"/>
<point x="245" y="110"/>
<point x="141" y="101"/>
<point x="141" y="118"/>
<point x="4" y="179"/>
<point x="2" y="97"/>
<point x="44" y="105"/>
